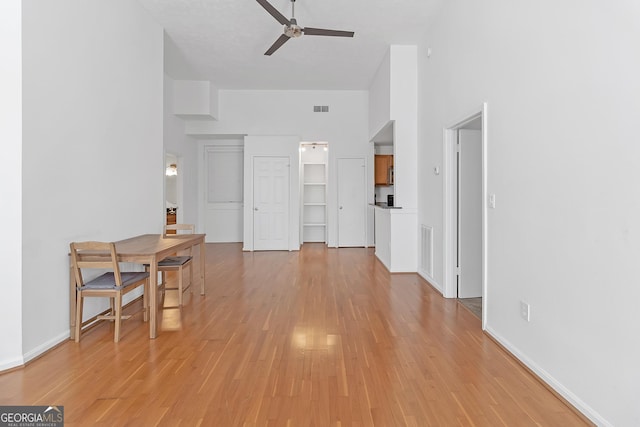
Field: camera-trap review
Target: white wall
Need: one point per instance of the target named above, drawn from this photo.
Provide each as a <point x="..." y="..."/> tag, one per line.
<point x="380" y="97"/>
<point x="344" y="127"/>
<point x="92" y="148"/>
<point x="11" y="183"/>
<point x="185" y="149"/>
<point x="403" y="110"/>
<point x="176" y="64"/>
<point x="561" y="83"/>
<point x="191" y="97"/>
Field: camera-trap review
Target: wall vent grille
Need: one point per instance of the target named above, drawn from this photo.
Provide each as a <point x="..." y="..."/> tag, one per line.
<point x="426" y="252"/>
<point x="320" y="108"/>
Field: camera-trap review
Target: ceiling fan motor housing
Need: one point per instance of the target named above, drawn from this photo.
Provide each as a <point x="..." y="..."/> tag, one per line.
<point x="293" y="30"/>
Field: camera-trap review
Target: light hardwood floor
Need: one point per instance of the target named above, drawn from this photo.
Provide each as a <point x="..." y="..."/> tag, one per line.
<point x="320" y="337"/>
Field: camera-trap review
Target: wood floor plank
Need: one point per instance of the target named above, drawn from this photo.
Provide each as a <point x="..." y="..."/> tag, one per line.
<point x="320" y="337"/>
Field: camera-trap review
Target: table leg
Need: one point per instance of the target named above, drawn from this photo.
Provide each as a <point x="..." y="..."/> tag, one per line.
<point x="153" y="297"/>
<point x="72" y="304"/>
<point x="202" y="264"/>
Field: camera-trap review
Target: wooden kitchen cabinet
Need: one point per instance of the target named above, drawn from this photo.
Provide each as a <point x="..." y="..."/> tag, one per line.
<point x="383" y="169"/>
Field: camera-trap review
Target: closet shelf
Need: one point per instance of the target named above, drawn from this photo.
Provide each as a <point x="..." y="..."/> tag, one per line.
<point x="314" y="202"/>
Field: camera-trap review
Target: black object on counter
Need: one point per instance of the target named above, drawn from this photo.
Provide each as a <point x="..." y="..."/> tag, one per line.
<point x="390" y="200"/>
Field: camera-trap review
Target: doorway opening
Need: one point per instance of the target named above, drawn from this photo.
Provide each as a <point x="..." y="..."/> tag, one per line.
<point x="465" y="224"/>
<point x="313" y="188"/>
<point x="173" y="197"/>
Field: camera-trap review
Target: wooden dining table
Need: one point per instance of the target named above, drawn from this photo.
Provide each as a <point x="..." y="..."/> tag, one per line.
<point x="150" y="249"/>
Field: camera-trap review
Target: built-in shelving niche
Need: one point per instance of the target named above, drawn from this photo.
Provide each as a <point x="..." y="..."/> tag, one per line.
<point x="313" y="158"/>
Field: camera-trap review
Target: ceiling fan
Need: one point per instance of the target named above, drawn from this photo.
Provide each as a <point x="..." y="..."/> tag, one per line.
<point x="293" y="30"/>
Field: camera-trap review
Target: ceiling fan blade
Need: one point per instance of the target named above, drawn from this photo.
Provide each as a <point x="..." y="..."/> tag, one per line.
<point x="281" y="40"/>
<point x="274" y="12"/>
<point x="322" y="32"/>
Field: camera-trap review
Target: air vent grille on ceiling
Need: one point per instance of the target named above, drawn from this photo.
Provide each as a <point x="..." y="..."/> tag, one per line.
<point x="320" y="108"/>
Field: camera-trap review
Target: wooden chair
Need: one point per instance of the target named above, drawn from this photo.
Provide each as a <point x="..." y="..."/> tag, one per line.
<point x="114" y="284"/>
<point x="178" y="262"/>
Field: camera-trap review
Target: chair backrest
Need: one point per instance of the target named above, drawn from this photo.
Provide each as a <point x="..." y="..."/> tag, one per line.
<point x="179" y="229"/>
<point x="94" y="255"/>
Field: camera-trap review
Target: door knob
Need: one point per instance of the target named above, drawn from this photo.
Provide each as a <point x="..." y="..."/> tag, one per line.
<point x="340" y="207"/>
<point x="255" y="209"/>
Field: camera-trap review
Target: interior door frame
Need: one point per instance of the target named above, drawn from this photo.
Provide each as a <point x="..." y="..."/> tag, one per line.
<point x="468" y="160"/>
<point x="449" y="206"/>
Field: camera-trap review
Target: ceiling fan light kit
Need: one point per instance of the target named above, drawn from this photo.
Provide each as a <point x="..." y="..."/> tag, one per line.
<point x="293" y="30"/>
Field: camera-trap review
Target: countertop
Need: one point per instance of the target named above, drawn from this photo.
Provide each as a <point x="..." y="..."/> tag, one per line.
<point x="383" y="205"/>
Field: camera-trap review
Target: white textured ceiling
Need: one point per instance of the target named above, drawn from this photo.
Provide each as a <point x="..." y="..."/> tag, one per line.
<point x="224" y="40"/>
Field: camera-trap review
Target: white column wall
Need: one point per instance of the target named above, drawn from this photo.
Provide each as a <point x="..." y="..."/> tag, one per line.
<point x="11" y="183"/>
<point x="403" y="110"/>
<point x="563" y="93"/>
<point x="394" y="96"/>
<point x="380" y="97"/>
<point x="92" y="154"/>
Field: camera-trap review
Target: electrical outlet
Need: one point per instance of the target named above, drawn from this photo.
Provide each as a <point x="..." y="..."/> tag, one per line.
<point x="525" y="311"/>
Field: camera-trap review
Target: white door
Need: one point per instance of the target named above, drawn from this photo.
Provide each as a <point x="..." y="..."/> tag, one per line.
<point x="469" y="213"/>
<point x="270" y="203"/>
<point x="224" y="193"/>
<point x="351" y="202"/>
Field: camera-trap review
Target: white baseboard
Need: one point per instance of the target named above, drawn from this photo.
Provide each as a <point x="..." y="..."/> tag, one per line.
<point x="30" y="355"/>
<point x="382" y="262"/>
<point x="574" y="400"/>
<point x="10" y="364"/>
<point x="431" y="281"/>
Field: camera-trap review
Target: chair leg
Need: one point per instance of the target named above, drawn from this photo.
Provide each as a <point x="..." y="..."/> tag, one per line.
<point x="145" y="300"/>
<point x="180" y="286"/>
<point x="79" y="301"/>
<point x="118" y="316"/>
<point x="191" y="275"/>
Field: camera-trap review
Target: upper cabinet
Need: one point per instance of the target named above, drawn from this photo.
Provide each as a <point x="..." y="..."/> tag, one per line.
<point x="383" y="169"/>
